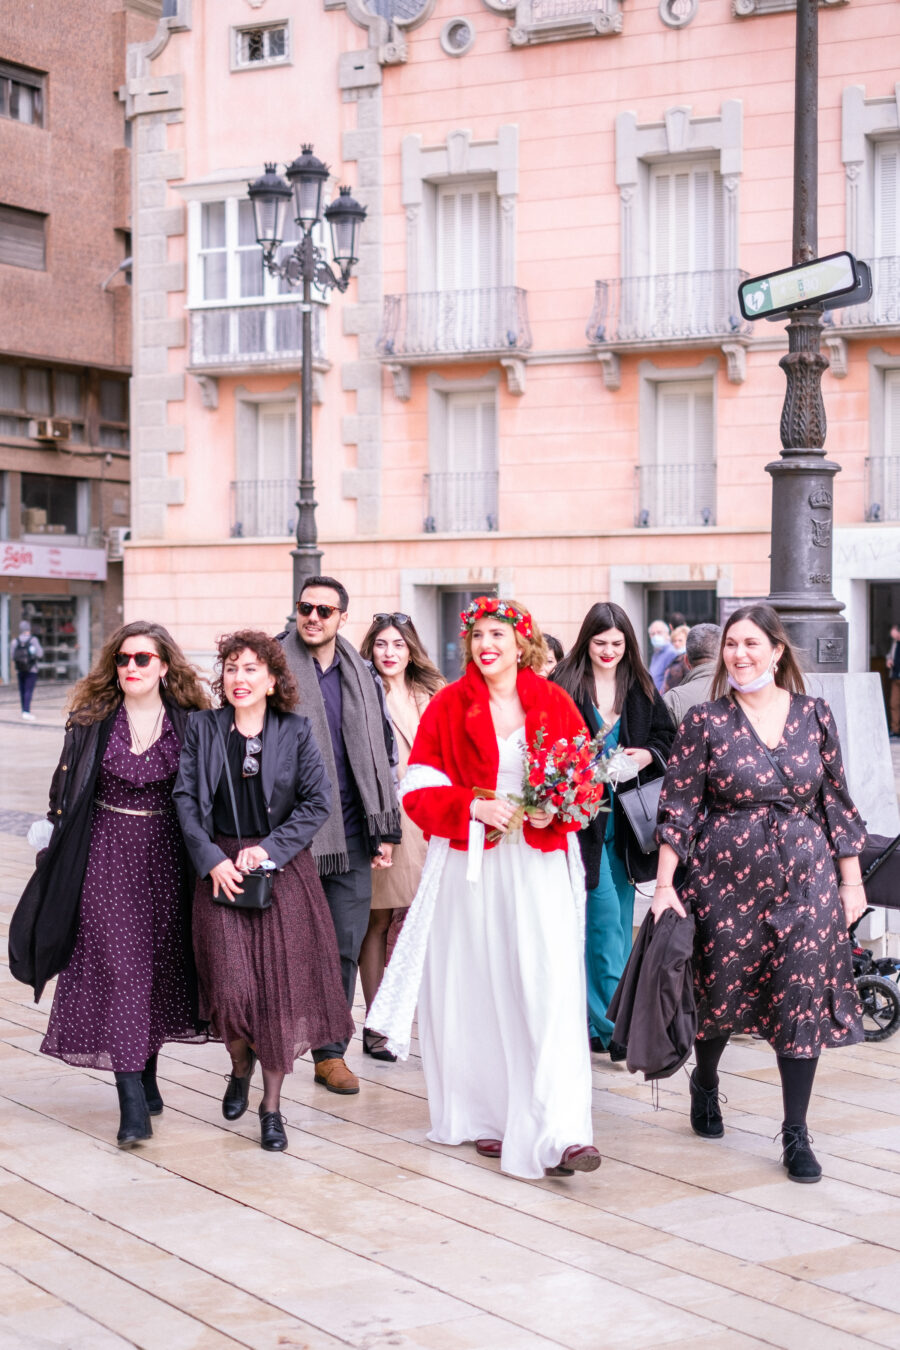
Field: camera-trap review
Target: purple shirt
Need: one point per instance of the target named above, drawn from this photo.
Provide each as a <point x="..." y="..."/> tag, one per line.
<point x="333" y="697"/>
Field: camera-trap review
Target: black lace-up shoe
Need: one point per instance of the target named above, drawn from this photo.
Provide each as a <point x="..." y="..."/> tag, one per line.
<point x="237" y="1093"/>
<point x="797" y="1155"/>
<point x="706" y="1117"/>
<point x="271" y="1131"/>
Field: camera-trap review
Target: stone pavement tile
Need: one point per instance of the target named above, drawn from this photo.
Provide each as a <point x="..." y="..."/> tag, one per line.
<point x="32" y="1319"/>
<point x="150" y="1269"/>
<point x="846" y="1209"/>
<point x="480" y="1332"/>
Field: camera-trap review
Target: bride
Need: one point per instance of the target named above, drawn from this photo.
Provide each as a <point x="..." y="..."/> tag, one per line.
<point x="494" y="940"/>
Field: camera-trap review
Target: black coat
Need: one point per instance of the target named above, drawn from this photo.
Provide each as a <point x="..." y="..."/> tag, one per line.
<point x="294" y="781"/>
<point x="645" y="725"/>
<point x="44" y="925"/>
<point x="653" y="1008"/>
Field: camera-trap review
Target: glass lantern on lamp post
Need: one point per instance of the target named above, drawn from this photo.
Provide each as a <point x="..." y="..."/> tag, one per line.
<point x="306" y="266"/>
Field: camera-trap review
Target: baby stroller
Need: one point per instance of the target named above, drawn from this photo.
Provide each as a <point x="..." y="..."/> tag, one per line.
<point x="876" y="976"/>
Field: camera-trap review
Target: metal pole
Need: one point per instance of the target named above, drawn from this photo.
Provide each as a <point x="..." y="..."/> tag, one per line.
<point x="802" y="479"/>
<point x="307" y="556"/>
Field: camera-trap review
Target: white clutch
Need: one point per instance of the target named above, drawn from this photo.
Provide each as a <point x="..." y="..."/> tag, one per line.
<point x="40" y="833"/>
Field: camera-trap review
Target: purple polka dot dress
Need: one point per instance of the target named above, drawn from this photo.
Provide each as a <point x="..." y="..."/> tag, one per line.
<point x="127" y="987"/>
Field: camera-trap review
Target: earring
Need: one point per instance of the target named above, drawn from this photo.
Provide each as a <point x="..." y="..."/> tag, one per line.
<point x="270" y="692"/>
<point x="164" y="682"/>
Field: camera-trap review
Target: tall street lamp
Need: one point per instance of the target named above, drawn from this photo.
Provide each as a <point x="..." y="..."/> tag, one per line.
<point x="305" y="266"/>
<point x="803" y="480"/>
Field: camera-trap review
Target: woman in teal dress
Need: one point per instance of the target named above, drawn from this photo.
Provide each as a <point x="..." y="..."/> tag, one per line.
<point x="607" y="678"/>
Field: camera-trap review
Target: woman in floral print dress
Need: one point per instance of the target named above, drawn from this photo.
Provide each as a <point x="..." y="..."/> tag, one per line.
<point x="771" y="953"/>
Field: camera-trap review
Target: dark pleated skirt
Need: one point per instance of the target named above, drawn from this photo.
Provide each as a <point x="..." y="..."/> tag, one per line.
<point x="271" y="977"/>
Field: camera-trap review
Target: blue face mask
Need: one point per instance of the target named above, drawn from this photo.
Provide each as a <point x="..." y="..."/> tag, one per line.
<point x="657" y="640"/>
<point x="751" y="688"/>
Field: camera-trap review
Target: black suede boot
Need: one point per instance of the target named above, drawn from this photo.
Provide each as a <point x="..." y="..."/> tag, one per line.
<point x="134" y="1122"/>
<point x="706" y="1117"/>
<point x="797" y="1155"/>
<point x="151" y="1088"/>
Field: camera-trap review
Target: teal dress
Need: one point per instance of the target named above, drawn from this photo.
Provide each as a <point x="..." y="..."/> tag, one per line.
<point x="609" y="923"/>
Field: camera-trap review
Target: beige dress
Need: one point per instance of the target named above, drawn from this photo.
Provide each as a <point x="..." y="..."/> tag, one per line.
<point x="394" y="887"/>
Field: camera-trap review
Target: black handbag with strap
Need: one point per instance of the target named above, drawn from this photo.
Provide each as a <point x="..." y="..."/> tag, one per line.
<point x="641" y="805"/>
<point x="257" y="885"/>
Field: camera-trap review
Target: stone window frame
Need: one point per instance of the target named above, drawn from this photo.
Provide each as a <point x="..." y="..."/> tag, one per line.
<point x="650" y="377"/>
<point x="864" y="122"/>
<point x="244" y="397"/>
<point x="459" y="158"/>
<point x="881" y="363"/>
<point x="237" y="31"/>
<point x="439" y="387"/>
<point x="748" y="9"/>
<point x="678" y="137"/>
<point x="597" y="20"/>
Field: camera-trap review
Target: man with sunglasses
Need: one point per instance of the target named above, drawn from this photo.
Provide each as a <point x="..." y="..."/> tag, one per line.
<point x="343" y="698"/>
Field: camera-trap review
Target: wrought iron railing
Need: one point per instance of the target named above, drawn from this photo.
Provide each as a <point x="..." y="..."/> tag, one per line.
<point x="247" y="335"/>
<point x="457" y="502"/>
<point x="264" y="507"/>
<point x="675" y="494"/>
<point x="454" y="323"/>
<point x="883" y="310"/>
<point x="883" y="487"/>
<point x="676" y="307"/>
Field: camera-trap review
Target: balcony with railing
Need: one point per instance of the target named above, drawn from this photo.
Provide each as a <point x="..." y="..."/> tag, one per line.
<point x="454" y="325"/>
<point x="883" y="310"/>
<point x="456" y="503"/>
<point x="674" y="495"/>
<point x="683" y="309"/>
<point x="232" y="339"/>
<point x="264" y="508"/>
<point x="883" y="487"/>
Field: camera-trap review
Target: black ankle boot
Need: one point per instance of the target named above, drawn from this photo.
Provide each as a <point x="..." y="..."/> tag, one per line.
<point x="706" y="1117"/>
<point x="797" y="1155"/>
<point x="151" y="1087"/>
<point x="272" y="1135"/>
<point x="134" y="1122"/>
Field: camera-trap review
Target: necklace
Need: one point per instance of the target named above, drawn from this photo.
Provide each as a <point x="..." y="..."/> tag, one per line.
<point x="142" y="749"/>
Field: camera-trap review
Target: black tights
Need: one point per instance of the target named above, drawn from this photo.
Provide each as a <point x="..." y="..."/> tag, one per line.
<point x="796" y="1077"/>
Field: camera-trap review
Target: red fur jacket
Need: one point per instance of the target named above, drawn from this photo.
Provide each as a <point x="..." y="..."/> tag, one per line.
<point x="457" y="736"/>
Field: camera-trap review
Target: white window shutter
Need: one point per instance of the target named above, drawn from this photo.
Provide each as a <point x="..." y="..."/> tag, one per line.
<point x="680" y="486"/>
<point x="887" y="199"/>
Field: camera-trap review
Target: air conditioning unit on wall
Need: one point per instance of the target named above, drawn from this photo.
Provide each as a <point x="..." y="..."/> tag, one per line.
<point x="114" y="541"/>
<point x="49" y="429"/>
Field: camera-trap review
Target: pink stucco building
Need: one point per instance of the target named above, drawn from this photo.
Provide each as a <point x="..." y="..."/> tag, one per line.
<point x="539" y="379"/>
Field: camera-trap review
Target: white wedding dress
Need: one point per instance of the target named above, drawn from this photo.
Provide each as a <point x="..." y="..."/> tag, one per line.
<point x="502" y="1020"/>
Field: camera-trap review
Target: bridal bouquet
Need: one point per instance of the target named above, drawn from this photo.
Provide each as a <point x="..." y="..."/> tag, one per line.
<point x="565" y="779"/>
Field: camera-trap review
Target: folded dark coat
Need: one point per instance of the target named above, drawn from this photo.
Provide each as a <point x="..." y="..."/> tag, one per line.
<point x="653" y="1007"/>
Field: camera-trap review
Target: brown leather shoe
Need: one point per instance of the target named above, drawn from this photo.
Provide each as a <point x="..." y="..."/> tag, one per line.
<point x="576" y="1158"/>
<point x="489" y="1148"/>
<point x="334" y="1075"/>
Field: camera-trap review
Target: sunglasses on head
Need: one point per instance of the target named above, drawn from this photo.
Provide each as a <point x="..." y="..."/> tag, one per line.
<point x="141" y="659"/>
<point x="323" y="611"/>
<point x="398" y="619"/>
<point x="250" y="765"/>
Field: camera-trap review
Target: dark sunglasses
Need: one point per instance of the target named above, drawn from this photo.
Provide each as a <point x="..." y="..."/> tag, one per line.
<point x="250" y="765"/>
<point x="141" y="659"/>
<point x="398" y="619"/>
<point x="323" y="611"/>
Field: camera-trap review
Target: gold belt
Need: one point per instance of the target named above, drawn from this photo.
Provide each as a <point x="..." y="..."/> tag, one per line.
<point x="126" y="811"/>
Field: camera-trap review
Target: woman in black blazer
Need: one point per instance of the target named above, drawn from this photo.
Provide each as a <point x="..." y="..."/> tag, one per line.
<point x="607" y="678"/>
<point x="270" y="980"/>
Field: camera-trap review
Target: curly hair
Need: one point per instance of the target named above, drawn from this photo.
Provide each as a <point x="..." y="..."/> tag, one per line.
<point x="270" y="652"/>
<point x="99" y="693"/>
<point x="534" y="650"/>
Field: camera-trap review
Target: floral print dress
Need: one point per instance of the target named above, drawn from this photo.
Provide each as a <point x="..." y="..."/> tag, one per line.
<point x="771" y="955"/>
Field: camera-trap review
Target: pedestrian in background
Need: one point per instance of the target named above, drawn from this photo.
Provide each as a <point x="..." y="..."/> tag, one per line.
<point x="662" y="651"/>
<point x="893" y="673"/>
<point x="109" y="903"/>
<point x="700" y="653"/>
<point x="344" y="700"/>
<point x="612" y="688"/>
<point x="676" y="669"/>
<point x="410" y="681"/>
<point x="270" y="982"/>
<point x="555" y="654"/>
<point x="755" y="807"/>
<point x="25" y="653"/>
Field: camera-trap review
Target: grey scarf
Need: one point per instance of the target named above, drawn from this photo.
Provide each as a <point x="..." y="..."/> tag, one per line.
<point x="363" y="728"/>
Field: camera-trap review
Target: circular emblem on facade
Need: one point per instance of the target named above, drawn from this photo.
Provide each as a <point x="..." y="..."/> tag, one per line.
<point x="677" y="13"/>
<point x="457" y="36"/>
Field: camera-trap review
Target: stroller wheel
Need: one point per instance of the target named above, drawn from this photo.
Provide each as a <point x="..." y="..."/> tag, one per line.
<point x="881" y="1006"/>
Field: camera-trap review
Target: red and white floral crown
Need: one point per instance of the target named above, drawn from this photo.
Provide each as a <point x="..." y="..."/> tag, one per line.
<point x="497" y="609"/>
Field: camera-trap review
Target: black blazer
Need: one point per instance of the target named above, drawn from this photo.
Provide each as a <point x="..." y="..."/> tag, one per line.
<point x="44" y="926"/>
<point x="294" y="779"/>
<point x="645" y="725"/>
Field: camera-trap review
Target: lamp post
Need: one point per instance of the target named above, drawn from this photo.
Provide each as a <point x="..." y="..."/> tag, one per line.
<point x="305" y="267"/>
<point x="802" y="479"/>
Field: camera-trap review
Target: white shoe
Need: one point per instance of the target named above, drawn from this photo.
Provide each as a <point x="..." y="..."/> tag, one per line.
<point x="28" y="717"/>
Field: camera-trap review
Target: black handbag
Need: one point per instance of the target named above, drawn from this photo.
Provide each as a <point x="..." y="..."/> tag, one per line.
<point x="641" y="805"/>
<point x="257" y="886"/>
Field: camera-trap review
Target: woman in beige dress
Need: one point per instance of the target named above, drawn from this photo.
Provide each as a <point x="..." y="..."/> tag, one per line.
<point x="410" y="680"/>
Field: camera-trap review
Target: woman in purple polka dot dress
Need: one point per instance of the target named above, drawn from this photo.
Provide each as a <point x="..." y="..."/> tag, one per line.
<point x="128" y="985"/>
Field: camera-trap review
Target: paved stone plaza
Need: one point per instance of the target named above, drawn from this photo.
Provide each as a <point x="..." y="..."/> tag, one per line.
<point x="365" y="1235"/>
